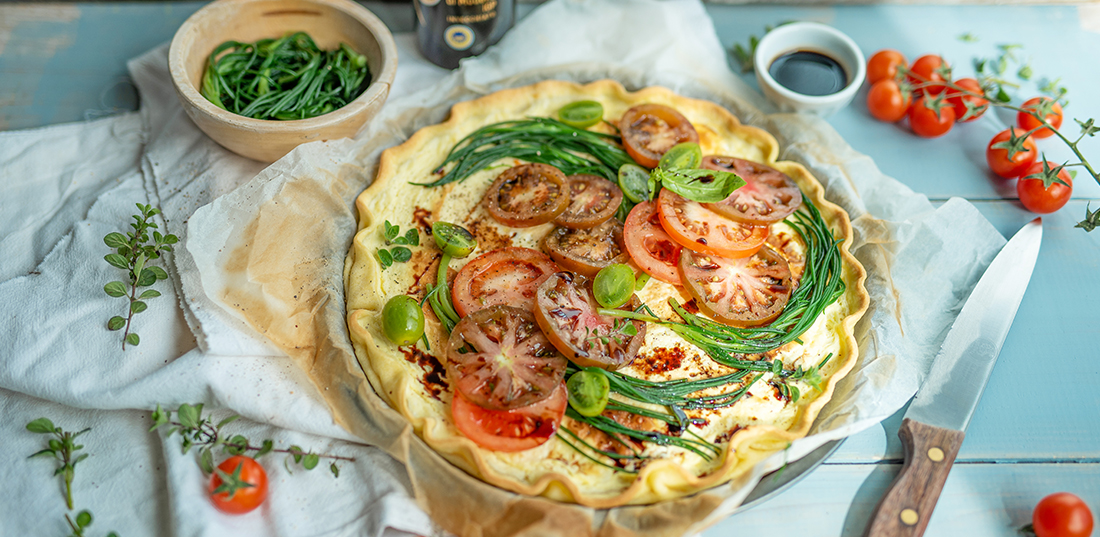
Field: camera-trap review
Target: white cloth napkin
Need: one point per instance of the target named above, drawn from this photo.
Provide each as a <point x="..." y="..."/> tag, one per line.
<point x="63" y="188"/>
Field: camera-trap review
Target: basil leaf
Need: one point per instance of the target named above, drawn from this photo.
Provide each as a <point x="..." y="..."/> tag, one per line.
<point x="703" y="186"/>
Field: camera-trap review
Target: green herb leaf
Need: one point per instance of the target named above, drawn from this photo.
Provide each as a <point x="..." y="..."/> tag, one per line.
<point x="160" y="273"/>
<point x="1024" y="72"/>
<point x="133" y="339"/>
<point x="236" y="445"/>
<point x="117" y="261"/>
<point x="227" y="421"/>
<point x="189" y="415"/>
<point x="412" y="237"/>
<point x="265" y="448"/>
<point x="41" y="426"/>
<point x="115" y="240"/>
<point x="43" y="453"/>
<point x="390" y="231"/>
<point x="84" y="519"/>
<point x="115" y="323"/>
<point x="401" y="254"/>
<point x="115" y="289"/>
<point x="968" y="38"/>
<point x="310" y="460"/>
<point x="703" y="186"/>
<point x="334" y="469"/>
<point x="206" y="460"/>
<point x="149" y="293"/>
<point x="146" y="278"/>
<point x="384" y="258"/>
<point x="138" y="306"/>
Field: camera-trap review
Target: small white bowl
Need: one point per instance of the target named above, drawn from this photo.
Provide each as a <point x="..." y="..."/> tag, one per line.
<point x="813" y="37"/>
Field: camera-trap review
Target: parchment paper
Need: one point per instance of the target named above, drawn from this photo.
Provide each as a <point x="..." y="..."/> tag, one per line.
<point x="270" y="254"/>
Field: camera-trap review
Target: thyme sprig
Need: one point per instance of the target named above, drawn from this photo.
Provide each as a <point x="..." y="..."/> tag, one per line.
<point x="135" y="254"/>
<point x="541" y="140"/>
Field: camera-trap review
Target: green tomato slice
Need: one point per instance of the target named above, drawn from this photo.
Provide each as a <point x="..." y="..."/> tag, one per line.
<point x="613" y="285"/>
<point x="402" y="320"/>
<point x="588" y="391"/>
<point x="581" y="114"/>
<point x="454" y="240"/>
<point x="685" y="156"/>
<point x="634" y="182"/>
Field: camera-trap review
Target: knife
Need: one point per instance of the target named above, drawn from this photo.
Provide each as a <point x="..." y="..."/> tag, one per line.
<point x="933" y="428"/>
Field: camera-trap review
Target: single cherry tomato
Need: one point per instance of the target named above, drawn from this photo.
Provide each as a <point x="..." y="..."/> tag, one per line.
<point x="649" y="244"/>
<point x="568" y="315"/>
<point x="506" y="276"/>
<point x="958" y="100"/>
<point x="510" y="430"/>
<point x="886" y="101"/>
<point x="996" y="154"/>
<point x="1039" y="199"/>
<point x="528" y="195"/>
<point x="238" y="486"/>
<point x="928" y="74"/>
<point x="884" y="64"/>
<point x="586" y="251"/>
<point x="592" y="201"/>
<point x="1062" y="515"/>
<point x="649" y="130"/>
<point x="749" y="291"/>
<point x="498" y="359"/>
<point x="930" y="118"/>
<point x="703" y="230"/>
<point x="1050" y="110"/>
<point x="769" y="195"/>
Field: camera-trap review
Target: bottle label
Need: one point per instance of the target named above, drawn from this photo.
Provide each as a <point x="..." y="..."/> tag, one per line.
<point x="458" y="36"/>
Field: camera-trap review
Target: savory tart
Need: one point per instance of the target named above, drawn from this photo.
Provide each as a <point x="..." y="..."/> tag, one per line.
<point x="601" y="296"/>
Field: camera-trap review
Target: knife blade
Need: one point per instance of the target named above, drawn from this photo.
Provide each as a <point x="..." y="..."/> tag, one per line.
<point x="934" y="426"/>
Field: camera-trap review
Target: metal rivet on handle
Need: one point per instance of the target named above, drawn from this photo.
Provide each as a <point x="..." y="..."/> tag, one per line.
<point x="936" y="454"/>
<point x="909" y="517"/>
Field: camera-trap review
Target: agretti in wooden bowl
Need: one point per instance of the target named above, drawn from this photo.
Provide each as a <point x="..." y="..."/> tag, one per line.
<point x="329" y="22"/>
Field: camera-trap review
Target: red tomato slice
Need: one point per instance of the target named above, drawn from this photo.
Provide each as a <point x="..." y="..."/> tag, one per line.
<point x="527" y="195"/>
<point x="769" y="195"/>
<point x="749" y="291"/>
<point x="566" y="312"/>
<point x="586" y="251"/>
<point x="649" y="130"/>
<point x="499" y="359"/>
<point x="506" y="276"/>
<point x="697" y="228"/>
<point x="593" y="200"/>
<point x="649" y="245"/>
<point x="510" y="430"/>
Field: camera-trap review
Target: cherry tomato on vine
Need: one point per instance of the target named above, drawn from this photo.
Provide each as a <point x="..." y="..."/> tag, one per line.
<point x="1050" y="110"/>
<point x="958" y="100"/>
<point x="886" y="101"/>
<point x="884" y="64"/>
<point x="1062" y="515"/>
<point x="1039" y="199"/>
<point x="927" y="74"/>
<point x="931" y="117"/>
<point x="243" y="487"/>
<point x="996" y="154"/>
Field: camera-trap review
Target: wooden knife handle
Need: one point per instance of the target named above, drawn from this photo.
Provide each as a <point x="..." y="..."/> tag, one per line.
<point x="906" y="508"/>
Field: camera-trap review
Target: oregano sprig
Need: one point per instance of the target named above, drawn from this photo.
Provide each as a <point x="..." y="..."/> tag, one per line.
<point x="399" y="253"/>
<point x="202" y="432"/>
<point x="134" y="253"/>
<point x="62" y="447"/>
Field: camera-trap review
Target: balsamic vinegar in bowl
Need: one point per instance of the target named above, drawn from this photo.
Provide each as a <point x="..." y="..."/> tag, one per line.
<point x="809" y="73"/>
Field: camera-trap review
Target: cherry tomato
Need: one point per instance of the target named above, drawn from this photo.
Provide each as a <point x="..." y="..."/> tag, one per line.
<point x="701" y="229"/>
<point x="506" y="276"/>
<point x="884" y="64"/>
<point x="567" y="313"/>
<point x="649" y="244"/>
<point x="244" y="488"/>
<point x="1038" y="199"/>
<point x="927" y="74"/>
<point x="886" y="101"/>
<point x="498" y="359"/>
<point x="749" y="291"/>
<point x="586" y="251"/>
<point x="649" y="130"/>
<point x="1050" y="110"/>
<point x="769" y="195"/>
<point x="510" y="430"/>
<point x="958" y="100"/>
<point x="997" y="157"/>
<point x="931" y="118"/>
<point x="1062" y="515"/>
<point x="528" y="195"/>
<point x="592" y="201"/>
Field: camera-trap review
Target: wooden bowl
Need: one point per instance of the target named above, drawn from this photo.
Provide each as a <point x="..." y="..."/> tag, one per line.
<point x="328" y="22"/>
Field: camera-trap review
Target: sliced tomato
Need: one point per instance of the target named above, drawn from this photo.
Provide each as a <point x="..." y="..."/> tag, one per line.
<point x="698" y="228"/>
<point x="649" y="245"/>
<point x="499" y="359"/>
<point x="649" y="130"/>
<point x="510" y="430"/>
<point x="586" y="251"/>
<point x="506" y="276"/>
<point x="566" y="312"/>
<point x="527" y="195"/>
<point x="748" y="291"/>
<point x="769" y="195"/>
<point x="592" y="201"/>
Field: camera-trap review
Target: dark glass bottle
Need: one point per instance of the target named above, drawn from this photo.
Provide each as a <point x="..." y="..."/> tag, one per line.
<point x="449" y="30"/>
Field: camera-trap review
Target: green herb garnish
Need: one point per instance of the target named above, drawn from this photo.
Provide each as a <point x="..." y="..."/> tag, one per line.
<point x="135" y="254"/>
<point x="399" y="253"/>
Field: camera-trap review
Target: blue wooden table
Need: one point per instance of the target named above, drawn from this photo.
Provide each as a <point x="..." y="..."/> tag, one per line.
<point x="1037" y="429"/>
